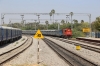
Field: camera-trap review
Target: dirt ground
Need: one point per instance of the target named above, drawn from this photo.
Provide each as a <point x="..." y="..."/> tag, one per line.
<point x="28" y="65"/>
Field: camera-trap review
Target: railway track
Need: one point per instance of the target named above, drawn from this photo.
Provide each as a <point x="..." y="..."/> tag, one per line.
<point x="13" y="52"/>
<point x="82" y="45"/>
<point x="97" y="42"/>
<point x="89" y="42"/>
<point x="71" y="58"/>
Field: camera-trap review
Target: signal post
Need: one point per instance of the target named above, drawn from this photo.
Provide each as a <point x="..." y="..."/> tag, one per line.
<point x="38" y="36"/>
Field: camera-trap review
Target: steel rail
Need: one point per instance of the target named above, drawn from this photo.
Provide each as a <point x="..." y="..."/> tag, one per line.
<point x="12" y="53"/>
<point x="74" y="59"/>
<point x="82" y="45"/>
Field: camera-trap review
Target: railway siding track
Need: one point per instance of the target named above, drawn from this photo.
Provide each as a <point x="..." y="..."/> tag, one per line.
<point x="91" y="42"/>
<point x="13" y="48"/>
<point x="72" y="58"/>
<point x="82" y="45"/>
<point x="13" y="52"/>
<point x="95" y="41"/>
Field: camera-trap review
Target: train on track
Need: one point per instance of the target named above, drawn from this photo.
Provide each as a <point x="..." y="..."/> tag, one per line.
<point x="65" y="33"/>
<point x="9" y="34"/>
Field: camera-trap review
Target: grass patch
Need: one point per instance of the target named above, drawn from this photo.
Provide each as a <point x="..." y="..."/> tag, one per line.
<point x="17" y="42"/>
<point x="44" y="65"/>
<point x="73" y="38"/>
<point x="23" y="39"/>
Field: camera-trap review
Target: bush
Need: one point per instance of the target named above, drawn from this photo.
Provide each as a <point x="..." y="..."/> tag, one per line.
<point x="77" y="33"/>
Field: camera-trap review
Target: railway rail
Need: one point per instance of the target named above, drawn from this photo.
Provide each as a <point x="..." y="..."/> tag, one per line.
<point x="71" y="58"/>
<point x="4" y="57"/>
<point x="89" y="41"/>
<point x="82" y="45"/>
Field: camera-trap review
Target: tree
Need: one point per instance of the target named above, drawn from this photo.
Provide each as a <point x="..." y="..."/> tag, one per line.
<point x="53" y="12"/>
<point x="98" y="19"/>
<point x="93" y="26"/>
<point x="75" y="21"/>
<point x="53" y="26"/>
<point x="63" y="22"/>
<point x="77" y="33"/>
<point x="82" y="21"/>
<point x="97" y="26"/>
<point x="97" y="23"/>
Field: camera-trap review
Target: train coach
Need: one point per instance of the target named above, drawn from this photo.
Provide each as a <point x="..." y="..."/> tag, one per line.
<point x="8" y="34"/>
<point x="65" y="33"/>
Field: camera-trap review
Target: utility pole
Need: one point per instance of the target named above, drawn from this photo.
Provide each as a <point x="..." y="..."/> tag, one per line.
<point x="38" y="20"/>
<point x="10" y="23"/>
<point x="90" y="24"/>
<point x="22" y="16"/>
<point x="35" y="24"/>
<point x="71" y="14"/>
<point x="2" y="19"/>
<point x="58" y="24"/>
<point x="24" y="22"/>
<point x="67" y="16"/>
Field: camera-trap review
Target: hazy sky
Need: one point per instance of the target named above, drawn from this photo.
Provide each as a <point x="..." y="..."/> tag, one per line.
<point x="45" y="6"/>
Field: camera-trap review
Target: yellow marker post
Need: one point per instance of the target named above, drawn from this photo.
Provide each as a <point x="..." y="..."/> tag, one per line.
<point x="39" y="36"/>
<point x="78" y="47"/>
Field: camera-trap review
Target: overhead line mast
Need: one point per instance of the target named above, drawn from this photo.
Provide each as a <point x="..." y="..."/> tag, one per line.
<point x="77" y="14"/>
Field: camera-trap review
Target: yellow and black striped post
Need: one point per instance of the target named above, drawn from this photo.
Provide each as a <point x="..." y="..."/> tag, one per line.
<point x="38" y="52"/>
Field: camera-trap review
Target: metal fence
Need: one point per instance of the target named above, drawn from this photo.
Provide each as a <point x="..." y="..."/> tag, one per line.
<point x="95" y="34"/>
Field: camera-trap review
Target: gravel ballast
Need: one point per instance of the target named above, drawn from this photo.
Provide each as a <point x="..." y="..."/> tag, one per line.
<point x="13" y="45"/>
<point x="85" y="53"/>
<point x="47" y="56"/>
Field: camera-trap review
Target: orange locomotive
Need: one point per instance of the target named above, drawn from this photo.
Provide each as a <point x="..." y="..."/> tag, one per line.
<point x="67" y="33"/>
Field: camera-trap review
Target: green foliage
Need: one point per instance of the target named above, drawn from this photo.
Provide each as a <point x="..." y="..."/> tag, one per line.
<point x="77" y="26"/>
<point x="96" y="24"/>
<point x="23" y="39"/>
<point x="82" y="21"/>
<point x="17" y="42"/>
<point x="53" y="26"/>
<point x="75" y="21"/>
<point x="52" y="11"/>
<point x="77" y="33"/>
<point x="62" y="21"/>
<point x="66" y="25"/>
<point x="78" y="29"/>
